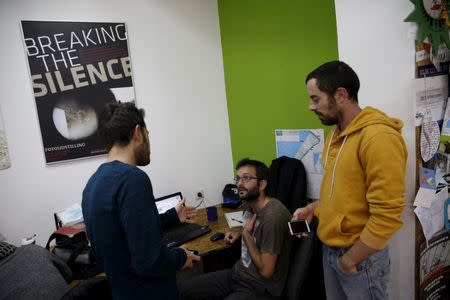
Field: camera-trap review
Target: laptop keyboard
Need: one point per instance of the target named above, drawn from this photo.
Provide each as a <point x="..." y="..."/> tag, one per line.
<point x="182" y="234"/>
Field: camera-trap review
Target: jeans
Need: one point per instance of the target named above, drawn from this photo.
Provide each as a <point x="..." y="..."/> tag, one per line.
<point x="369" y="282"/>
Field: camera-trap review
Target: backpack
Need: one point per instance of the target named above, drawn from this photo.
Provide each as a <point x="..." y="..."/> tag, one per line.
<point x="231" y="196"/>
<point x="72" y="246"/>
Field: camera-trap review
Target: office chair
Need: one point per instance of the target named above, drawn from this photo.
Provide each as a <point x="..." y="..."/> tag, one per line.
<point x="287" y="183"/>
<point x="305" y="276"/>
<point x="302" y="281"/>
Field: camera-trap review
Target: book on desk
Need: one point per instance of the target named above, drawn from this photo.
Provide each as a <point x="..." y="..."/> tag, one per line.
<point x="235" y="219"/>
<point x="69" y="217"/>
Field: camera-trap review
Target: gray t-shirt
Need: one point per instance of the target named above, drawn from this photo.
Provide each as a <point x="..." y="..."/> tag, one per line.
<point x="271" y="235"/>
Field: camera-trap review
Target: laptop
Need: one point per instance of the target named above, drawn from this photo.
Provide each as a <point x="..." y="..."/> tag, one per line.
<point x="182" y="233"/>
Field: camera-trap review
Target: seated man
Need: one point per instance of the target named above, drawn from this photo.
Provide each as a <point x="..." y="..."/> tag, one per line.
<point x="121" y="217"/>
<point x="266" y="243"/>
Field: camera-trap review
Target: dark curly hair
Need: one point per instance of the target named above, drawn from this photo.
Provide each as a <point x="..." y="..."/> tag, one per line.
<point x="117" y="123"/>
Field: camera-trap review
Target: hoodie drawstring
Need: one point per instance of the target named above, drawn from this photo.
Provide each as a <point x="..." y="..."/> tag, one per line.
<point x="329" y="145"/>
<point x="335" y="162"/>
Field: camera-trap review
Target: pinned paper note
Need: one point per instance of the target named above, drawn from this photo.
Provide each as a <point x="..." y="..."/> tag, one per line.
<point x="441" y="56"/>
<point x="431" y="95"/>
<point x="429" y="140"/>
<point x="434" y="101"/>
<point x="427" y="178"/>
<point x="432" y="218"/>
<point x="424" y="197"/>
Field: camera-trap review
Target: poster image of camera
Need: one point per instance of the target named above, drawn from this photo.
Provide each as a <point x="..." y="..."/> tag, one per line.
<point x="76" y="68"/>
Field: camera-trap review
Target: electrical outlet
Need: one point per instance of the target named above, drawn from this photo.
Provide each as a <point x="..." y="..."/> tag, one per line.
<point x="199" y="195"/>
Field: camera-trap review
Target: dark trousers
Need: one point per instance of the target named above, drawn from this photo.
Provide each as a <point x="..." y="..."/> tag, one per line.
<point x="224" y="284"/>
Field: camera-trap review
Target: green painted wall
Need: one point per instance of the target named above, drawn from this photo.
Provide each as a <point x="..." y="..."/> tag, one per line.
<point x="268" y="49"/>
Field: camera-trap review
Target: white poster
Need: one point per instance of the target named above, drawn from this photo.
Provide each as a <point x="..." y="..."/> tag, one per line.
<point x="307" y="146"/>
<point x="4" y="154"/>
<point x="431" y="95"/>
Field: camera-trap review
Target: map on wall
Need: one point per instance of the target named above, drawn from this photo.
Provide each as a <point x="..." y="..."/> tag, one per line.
<point x="76" y="68"/>
<point x="307" y="146"/>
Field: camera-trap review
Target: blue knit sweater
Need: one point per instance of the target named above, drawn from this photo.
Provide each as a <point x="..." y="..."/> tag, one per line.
<point x="125" y="231"/>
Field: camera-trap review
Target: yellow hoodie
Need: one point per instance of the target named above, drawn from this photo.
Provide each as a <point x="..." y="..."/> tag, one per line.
<point x="362" y="192"/>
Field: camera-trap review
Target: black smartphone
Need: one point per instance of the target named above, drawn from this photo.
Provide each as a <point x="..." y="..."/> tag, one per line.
<point x="298" y="227"/>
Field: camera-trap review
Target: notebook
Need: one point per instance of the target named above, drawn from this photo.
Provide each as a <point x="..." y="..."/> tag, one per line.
<point x="235" y="219"/>
<point x="182" y="233"/>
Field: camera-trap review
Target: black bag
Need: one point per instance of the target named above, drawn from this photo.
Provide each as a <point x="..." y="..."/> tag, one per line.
<point x="230" y="196"/>
<point x="72" y="246"/>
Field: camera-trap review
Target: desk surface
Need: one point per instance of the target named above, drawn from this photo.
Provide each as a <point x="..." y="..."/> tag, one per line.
<point x="203" y="244"/>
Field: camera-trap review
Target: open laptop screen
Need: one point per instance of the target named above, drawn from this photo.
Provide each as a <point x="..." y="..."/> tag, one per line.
<point x="165" y="203"/>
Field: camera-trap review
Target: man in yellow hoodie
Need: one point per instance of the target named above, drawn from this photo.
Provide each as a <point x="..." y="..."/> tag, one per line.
<point x="362" y="192"/>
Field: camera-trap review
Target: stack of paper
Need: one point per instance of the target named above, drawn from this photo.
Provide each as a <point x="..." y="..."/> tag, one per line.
<point x="70" y="216"/>
<point x="235" y="219"/>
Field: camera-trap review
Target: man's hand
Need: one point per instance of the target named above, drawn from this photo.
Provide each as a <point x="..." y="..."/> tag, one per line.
<point x="190" y="259"/>
<point x="304" y="213"/>
<point x="232" y="236"/>
<point x="264" y="262"/>
<point x="186" y="214"/>
<point x="356" y="254"/>
<point x="249" y="225"/>
<point x="346" y="265"/>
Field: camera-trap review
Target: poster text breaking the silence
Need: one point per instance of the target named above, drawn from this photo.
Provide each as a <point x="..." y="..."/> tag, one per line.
<point x="44" y="47"/>
<point x="81" y="76"/>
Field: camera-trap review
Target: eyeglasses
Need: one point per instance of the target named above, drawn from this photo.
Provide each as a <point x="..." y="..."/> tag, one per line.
<point x="244" y="179"/>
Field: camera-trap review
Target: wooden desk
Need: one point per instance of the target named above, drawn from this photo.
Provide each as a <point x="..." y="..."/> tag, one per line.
<point x="203" y="244"/>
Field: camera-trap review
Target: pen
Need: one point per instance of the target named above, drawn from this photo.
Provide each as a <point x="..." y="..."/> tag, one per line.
<point x="236" y="220"/>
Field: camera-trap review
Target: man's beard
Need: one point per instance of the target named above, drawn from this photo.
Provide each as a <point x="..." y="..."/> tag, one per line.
<point x="142" y="155"/>
<point x="329" y="120"/>
<point x="251" y="196"/>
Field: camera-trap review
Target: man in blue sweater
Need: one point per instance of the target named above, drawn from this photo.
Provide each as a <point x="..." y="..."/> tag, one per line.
<point x="121" y="217"/>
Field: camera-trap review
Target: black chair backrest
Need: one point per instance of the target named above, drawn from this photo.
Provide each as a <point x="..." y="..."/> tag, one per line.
<point x="287" y="182"/>
<point x="301" y="256"/>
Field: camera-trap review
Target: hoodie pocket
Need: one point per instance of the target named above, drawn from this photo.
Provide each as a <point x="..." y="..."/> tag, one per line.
<point x="341" y="219"/>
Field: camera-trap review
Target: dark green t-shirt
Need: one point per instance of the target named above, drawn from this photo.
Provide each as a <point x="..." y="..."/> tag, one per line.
<point x="271" y="235"/>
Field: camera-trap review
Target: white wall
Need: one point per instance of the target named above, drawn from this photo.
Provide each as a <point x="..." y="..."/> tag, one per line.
<point x="178" y="77"/>
<point x="375" y="41"/>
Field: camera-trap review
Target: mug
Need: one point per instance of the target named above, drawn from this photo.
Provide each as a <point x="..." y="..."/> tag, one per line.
<point x="211" y="213"/>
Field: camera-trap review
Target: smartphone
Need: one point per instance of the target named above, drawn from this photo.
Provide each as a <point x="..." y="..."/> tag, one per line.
<point x="298" y="227"/>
